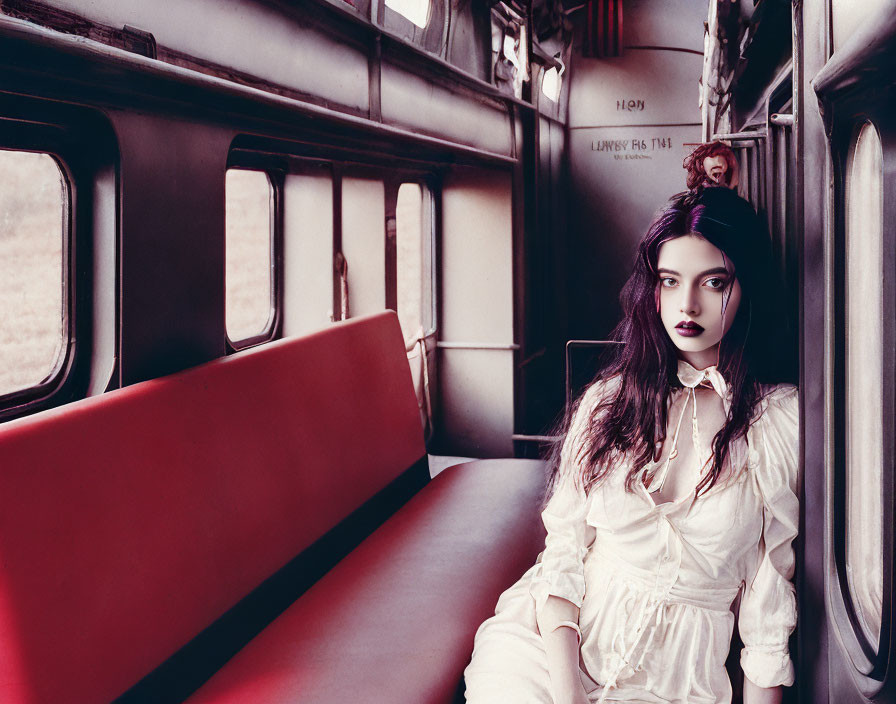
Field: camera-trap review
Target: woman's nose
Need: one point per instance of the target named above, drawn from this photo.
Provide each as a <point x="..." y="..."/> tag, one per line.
<point x="689" y="304"/>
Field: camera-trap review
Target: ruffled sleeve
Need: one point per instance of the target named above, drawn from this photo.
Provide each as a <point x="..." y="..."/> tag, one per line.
<point x="561" y="572"/>
<point x="768" y="609"/>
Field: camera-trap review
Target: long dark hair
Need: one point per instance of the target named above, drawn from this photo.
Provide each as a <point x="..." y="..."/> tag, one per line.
<point x="630" y="420"/>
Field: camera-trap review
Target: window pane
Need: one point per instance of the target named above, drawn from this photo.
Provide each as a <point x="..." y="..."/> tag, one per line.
<point x="307" y="252"/>
<point x="249" y="302"/>
<point x="864" y="375"/>
<point x="417" y="11"/>
<point x="33" y="205"/>
<point x="409" y="256"/>
<point x="427" y="278"/>
<point x="363" y="246"/>
<point x="414" y="247"/>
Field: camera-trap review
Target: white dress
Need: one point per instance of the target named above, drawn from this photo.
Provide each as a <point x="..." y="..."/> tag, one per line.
<point x="655" y="584"/>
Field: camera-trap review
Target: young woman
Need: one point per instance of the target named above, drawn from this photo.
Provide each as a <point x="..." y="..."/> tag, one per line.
<point x="674" y="493"/>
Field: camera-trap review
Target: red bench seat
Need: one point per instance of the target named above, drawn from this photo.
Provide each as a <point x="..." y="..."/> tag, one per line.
<point x="394" y="621"/>
<point x="143" y="530"/>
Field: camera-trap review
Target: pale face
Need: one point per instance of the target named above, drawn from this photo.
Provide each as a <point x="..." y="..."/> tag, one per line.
<point x="716" y="167"/>
<point x="698" y="298"/>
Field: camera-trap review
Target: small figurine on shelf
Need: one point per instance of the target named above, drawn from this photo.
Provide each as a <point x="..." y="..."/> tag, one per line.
<point x="711" y="164"/>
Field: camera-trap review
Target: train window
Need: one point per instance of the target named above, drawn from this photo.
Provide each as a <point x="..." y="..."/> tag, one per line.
<point x="469" y="41"/>
<point x="34" y="300"/>
<point x="363" y="245"/>
<point x="417" y="11"/>
<point x="249" y="271"/>
<point x="414" y="260"/>
<point x="864" y="379"/>
<point x="307" y="250"/>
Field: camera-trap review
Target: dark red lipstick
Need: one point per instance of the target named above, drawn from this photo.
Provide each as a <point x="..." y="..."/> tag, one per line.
<point x="687" y="328"/>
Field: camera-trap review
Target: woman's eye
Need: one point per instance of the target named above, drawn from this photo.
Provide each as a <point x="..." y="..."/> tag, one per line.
<point x="716" y="283"/>
<point x="667" y="282"/>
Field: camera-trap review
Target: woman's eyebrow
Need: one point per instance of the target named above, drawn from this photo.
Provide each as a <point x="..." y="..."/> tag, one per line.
<point x="717" y="270"/>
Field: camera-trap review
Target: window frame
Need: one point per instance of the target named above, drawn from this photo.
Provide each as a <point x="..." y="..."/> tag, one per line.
<point x="37" y="132"/>
<point x="431" y="37"/>
<point x="426" y="21"/>
<point x="275" y="171"/>
<point x="394" y="180"/>
<point x="859" y="622"/>
<point x="869" y="659"/>
<point x="345" y="160"/>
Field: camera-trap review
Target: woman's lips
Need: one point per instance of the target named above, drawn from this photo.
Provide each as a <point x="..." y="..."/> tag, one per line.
<point x="688" y="329"/>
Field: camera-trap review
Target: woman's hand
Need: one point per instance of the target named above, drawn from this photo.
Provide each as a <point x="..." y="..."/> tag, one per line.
<point x="566" y="685"/>
<point x="571" y="693"/>
<point x="562" y="650"/>
<point x="754" y="694"/>
<point x="561" y="645"/>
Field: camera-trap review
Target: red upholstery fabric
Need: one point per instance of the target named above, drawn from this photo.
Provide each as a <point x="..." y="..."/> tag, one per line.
<point x="394" y="621"/>
<point x="130" y="521"/>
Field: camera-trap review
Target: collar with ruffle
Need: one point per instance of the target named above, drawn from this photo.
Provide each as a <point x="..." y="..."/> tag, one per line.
<point x="710" y="377"/>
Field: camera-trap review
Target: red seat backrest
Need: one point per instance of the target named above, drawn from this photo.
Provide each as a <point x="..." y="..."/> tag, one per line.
<point x="130" y="521"/>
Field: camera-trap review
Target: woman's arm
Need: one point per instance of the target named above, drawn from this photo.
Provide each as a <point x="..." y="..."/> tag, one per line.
<point x="768" y="611"/>
<point x="561" y="644"/>
<point x="754" y="694"/>
<point x="558" y="585"/>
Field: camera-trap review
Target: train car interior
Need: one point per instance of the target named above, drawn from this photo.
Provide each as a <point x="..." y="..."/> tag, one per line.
<point x="296" y="292"/>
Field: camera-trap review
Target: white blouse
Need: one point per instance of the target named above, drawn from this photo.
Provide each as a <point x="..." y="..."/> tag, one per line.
<point x="655" y="583"/>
